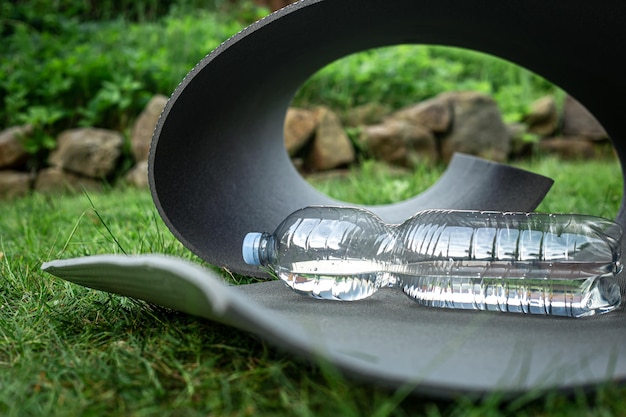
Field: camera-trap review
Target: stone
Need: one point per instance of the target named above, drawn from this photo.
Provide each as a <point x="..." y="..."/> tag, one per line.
<point x="523" y="142"/>
<point x="55" y="180"/>
<point x="89" y="152"/>
<point x="435" y="114"/>
<point x="578" y="121"/>
<point x="300" y="127"/>
<point x="400" y="143"/>
<point x="366" y="114"/>
<point x="14" y="184"/>
<point x="477" y="128"/>
<point x="543" y="117"/>
<point x="12" y="152"/>
<point x="331" y="147"/>
<point x="138" y="175"/>
<point x="569" y="148"/>
<point x="141" y="135"/>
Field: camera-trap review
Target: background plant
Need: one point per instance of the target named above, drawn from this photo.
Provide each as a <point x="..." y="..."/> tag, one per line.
<point x="68" y="63"/>
<point x="402" y="75"/>
<point x="61" y="68"/>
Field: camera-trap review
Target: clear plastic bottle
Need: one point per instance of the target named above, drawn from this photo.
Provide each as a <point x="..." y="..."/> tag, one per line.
<point x="551" y="264"/>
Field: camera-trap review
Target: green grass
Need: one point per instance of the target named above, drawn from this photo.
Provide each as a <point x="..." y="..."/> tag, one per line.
<point x="589" y="187"/>
<point x="68" y="350"/>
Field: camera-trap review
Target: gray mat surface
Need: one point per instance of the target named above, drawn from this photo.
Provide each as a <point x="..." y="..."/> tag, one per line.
<point x="386" y="339"/>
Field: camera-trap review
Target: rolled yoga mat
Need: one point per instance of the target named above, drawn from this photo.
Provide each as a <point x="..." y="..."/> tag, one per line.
<point x="218" y="169"/>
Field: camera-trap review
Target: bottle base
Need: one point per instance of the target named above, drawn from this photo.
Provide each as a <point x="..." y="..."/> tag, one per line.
<point x="581" y="297"/>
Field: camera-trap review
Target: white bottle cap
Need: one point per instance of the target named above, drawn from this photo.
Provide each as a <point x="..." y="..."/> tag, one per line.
<point x="250" y="248"/>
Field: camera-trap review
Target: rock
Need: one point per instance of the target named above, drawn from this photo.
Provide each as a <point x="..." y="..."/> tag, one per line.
<point x="87" y="151"/>
<point x="477" y="128"/>
<point x="578" y="121"/>
<point x="569" y="148"/>
<point x="57" y="181"/>
<point x="14" y="184"/>
<point x="12" y="152"/>
<point x="522" y="142"/>
<point x="400" y="143"/>
<point x="138" y="176"/>
<point x="543" y="117"/>
<point x="141" y="135"/>
<point x="300" y="126"/>
<point x="366" y="114"/>
<point x="434" y="114"/>
<point x="331" y="147"/>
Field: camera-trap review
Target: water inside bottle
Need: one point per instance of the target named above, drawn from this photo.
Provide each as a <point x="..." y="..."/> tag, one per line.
<point x="571" y="289"/>
<point x="347" y="280"/>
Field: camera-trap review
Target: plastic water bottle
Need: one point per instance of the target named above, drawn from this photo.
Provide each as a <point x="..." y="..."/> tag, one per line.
<point x="550" y="264"/>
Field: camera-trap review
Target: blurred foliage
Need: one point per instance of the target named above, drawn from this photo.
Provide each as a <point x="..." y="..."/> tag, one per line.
<point x="69" y="63"/>
<point x="72" y="63"/>
<point x="49" y="15"/>
<point x="402" y="75"/>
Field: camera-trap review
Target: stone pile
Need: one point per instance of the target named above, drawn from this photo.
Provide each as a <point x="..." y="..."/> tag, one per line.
<point x="13" y="181"/>
<point x="432" y="131"/>
<point x="83" y="159"/>
<point x="429" y="132"/>
<point x="317" y="140"/>
<point x="575" y="134"/>
<point x="140" y="140"/>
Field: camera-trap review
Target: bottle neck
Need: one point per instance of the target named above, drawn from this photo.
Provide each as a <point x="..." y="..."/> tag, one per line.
<point x="255" y="248"/>
<point x="265" y="246"/>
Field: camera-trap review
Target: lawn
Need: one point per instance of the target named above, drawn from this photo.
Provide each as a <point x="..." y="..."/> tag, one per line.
<point x="584" y="187"/>
<point x="68" y="350"/>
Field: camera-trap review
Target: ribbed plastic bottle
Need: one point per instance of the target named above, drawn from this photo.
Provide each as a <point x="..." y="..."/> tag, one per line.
<point x="535" y="263"/>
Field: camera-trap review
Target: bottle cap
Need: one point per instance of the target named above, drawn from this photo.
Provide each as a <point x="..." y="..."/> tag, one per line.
<point x="250" y="248"/>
